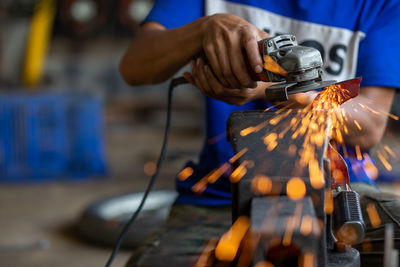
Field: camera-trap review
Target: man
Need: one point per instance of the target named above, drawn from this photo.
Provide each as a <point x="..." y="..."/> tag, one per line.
<point x="355" y="38"/>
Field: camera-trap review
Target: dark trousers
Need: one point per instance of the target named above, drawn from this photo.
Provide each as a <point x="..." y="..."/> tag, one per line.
<point x="189" y="229"/>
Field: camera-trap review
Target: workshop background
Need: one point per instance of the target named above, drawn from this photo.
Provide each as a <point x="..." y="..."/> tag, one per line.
<point x="73" y="133"/>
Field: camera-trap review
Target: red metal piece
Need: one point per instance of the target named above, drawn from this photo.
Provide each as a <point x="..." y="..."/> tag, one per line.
<point x="339" y="169"/>
<point x="349" y="90"/>
<point x="353" y="87"/>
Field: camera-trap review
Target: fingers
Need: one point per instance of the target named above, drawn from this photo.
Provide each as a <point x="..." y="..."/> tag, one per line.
<point x="188" y="77"/>
<point x="227" y="52"/>
<point x="212" y="57"/>
<point x="201" y="74"/>
<point x="239" y="67"/>
<point x="196" y="79"/>
<point x="249" y="42"/>
<point x="230" y="96"/>
<point x="225" y="60"/>
<point x="201" y="78"/>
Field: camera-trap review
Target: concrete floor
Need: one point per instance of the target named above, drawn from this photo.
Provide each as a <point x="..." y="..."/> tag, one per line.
<point x="32" y="216"/>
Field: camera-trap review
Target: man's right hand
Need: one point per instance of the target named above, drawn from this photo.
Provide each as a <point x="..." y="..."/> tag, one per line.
<point x="227" y="40"/>
<point x="203" y="78"/>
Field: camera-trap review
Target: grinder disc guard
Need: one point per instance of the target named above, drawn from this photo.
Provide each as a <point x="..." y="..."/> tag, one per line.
<point x="300" y="88"/>
<point x="280" y="91"/>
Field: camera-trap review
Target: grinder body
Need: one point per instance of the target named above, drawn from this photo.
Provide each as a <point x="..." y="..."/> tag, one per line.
<point x="303" y="66"/>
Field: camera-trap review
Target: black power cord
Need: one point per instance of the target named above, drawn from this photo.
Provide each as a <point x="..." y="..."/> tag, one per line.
<point x="174" y="83"/>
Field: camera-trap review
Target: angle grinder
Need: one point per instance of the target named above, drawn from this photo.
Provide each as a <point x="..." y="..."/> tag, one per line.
<point x="294" y="68"/>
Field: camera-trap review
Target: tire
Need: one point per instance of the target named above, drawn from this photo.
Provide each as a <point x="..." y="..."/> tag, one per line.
<point x="102" y="222"/>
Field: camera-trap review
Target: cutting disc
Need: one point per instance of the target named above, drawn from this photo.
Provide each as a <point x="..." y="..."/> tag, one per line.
<point x="280" y="91"/>
<point x="298" y="88"/>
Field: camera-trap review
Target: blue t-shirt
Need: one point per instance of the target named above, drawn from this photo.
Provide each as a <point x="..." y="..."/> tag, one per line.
<point x="355" y="38"/>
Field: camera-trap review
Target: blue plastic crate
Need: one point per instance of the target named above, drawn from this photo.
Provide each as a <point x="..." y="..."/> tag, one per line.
<point x="50" y="136"/>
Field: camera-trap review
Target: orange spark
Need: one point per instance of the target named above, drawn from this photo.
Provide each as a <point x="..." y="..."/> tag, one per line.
<point x="292" y="150"/>
<point x="229" y="243"/>
<point x="269" y="108"/>
<point x="306" y="225"/>
<point x="271" y="146"/>
<point x="239" y="172"/>
<point x="216" y="174"/>
<point x="271" y="141"/>
<point x="271" y="65"/>
<point x="370" y="169"/>
<point x="358" y="125"/>
<point x="295" y="188"/>
<point x="217" y="138"/>
<point x="260" y="126"/>
<point x="358" y="152"/>
<point x="390" y="151"/>
<point x="199" y="187"/>
<point x="339" y="136"/>
<point x="393" y="116"/>
<point x="150" y="168"/>
<point x="207" y="253"/>
<point x="370" y="109"/>
<point x="316" y="176"/>
<point x="238" y="155"/>
<point x="373" y="215"/>
<point x="270" y="138"/>
<point x="306" y="155"/>
<point x="247" y="131"/>
<point x="384" y="161"/>
<point x="254" y="129"/>
<point x="282" y="133"/>
<point x="185" y="173"/>
<point x="328" y="207"/>
<point x="308" y="259"/>
<point x="346" y="130"/>
<point x="331" y="97"/>
<point x="275" y="120"/>
<point x="292" y="223"/>
<point x="293" y="121"/>
<point x="346" y="155"/>
<point x="261" y="185"/>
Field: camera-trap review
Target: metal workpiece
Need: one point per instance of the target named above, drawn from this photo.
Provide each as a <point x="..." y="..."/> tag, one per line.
<point x="275" y="214"/>
<point x="278" y="165"/>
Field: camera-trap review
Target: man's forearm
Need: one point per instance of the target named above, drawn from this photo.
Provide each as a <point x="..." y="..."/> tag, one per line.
<point x="156" y="53"/>
<point x="366" y="116"/>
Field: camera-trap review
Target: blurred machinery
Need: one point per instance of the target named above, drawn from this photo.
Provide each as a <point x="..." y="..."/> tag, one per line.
<point x="28" y="28"/>
<point x="87" y="18"/>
